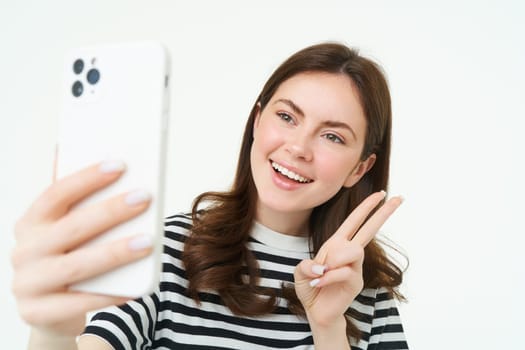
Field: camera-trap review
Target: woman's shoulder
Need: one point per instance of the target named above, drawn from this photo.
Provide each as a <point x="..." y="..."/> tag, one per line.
<point x="371" y="296"/>
<point x="374" y="301"/>
<point x="178" y="225"/>
<point x="179" y="217"/>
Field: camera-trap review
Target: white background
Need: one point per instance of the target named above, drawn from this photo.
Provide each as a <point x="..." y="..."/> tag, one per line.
<point x="456" y="75"/>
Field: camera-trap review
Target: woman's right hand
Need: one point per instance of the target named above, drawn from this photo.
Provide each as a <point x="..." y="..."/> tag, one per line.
<point x="49" y="257"/>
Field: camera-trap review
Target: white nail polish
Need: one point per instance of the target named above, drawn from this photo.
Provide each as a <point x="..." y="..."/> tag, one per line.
<point x="112" y="166"/>
<point x="383" y="192"/>
<point x="140" y="242"/>
<point x="318" y="269"/>
<point x="137" y="197"/>
<point x="314" y="282"/>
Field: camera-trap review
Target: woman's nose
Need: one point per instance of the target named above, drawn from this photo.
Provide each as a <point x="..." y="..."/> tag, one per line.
<point x="299" y="147"/>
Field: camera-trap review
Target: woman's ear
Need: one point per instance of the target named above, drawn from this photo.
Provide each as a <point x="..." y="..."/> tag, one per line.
<point x="257" y="118"/>
<point x="360" y="170"/>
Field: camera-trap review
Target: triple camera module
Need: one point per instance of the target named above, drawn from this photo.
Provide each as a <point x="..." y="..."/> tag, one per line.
<point x="92" y="77"/>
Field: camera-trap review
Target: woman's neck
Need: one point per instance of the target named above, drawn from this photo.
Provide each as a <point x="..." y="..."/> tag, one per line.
<point x="290" y="223"/>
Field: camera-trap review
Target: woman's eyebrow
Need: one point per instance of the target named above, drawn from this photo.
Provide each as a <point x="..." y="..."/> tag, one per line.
<point x="292" y="105"/>
<point x="337" y="124"/>
<point x="328" y="123"/>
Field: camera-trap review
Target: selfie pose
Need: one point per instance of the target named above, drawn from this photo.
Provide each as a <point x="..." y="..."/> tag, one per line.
<point x="286" y="259"/>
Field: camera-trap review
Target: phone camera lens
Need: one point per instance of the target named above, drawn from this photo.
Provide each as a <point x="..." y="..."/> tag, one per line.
<point x="78" y="66"/>
<point x="77" y="89"/>
<point x="93" y="76"/>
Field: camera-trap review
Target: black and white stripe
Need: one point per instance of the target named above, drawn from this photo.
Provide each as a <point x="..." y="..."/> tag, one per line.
<point x="168" y="319"/>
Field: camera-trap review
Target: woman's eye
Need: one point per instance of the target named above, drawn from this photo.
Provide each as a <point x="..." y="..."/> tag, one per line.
<point x="334" y="138"/>
<point x="285" y="117"/>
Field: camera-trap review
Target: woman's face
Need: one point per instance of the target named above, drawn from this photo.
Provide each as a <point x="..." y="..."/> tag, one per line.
<point x="307" y="144"/>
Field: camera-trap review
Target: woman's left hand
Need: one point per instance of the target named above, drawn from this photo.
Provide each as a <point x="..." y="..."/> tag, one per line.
<point x="327" y="285"/>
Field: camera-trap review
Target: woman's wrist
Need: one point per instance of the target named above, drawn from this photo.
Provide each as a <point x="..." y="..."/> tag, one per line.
<point x="43" y="340"/>
<point x="330" y="335"/>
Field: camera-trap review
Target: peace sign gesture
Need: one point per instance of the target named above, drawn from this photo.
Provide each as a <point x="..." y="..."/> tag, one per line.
<point x="327" y="285"/>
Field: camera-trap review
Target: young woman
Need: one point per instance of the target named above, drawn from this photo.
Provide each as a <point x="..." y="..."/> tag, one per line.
<point x="286" y="259"/>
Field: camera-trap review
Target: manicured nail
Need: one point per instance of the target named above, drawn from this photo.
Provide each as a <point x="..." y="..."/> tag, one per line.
<point x="140" y="242"/>
<point x="112" y="166"/>
<point x="318" y="269"/>
<point x="137" y="197"/>
<point x="314" y="282"/>
<point x="383" y="192"/>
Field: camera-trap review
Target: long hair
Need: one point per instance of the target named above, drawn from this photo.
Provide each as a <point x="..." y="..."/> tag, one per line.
<point x="216" y="255"/>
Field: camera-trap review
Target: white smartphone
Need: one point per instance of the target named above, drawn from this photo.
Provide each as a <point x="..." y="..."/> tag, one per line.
<point x="115" y="102"/>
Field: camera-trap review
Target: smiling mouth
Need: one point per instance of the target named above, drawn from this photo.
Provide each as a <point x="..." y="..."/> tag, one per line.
<point x="290" y="174"/>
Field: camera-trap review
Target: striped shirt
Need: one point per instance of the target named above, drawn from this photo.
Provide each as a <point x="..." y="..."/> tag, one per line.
<point x="169" y="319"/>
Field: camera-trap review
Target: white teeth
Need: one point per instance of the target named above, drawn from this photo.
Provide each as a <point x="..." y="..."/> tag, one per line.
<point x="290" y="174"/>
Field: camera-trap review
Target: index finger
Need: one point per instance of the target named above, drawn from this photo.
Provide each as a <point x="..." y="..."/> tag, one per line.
<point x="356" y="218"/>
<point x="372" y="226"/>
<point x="65" y="192"/>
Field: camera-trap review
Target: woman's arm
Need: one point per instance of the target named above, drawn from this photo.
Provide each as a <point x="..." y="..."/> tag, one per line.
<point x="91" y="342"/>
<point x="39" y="339"/>
<point x="330" y="337"/>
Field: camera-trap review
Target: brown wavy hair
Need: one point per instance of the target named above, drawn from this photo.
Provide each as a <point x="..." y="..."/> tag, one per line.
<point x="216" y="256"/>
